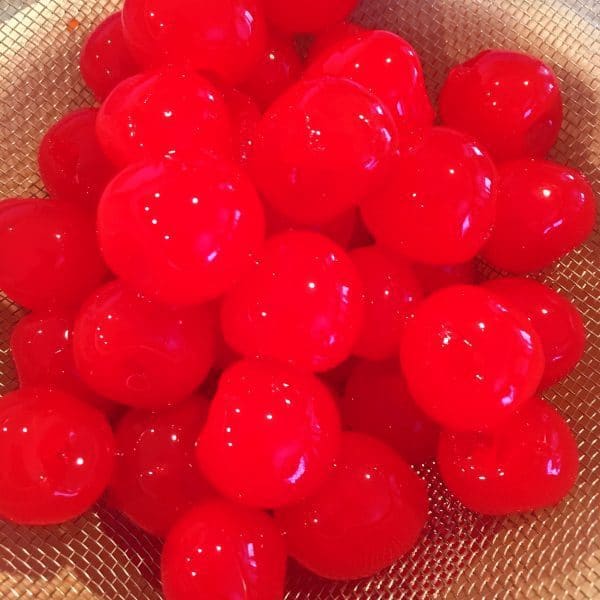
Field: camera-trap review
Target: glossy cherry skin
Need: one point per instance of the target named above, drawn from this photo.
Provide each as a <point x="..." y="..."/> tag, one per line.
<point x="155" y="479"/>
<point x="469" y="358"/>
<point x="391" y="292"/>
<point x="307" y="16"/>
<point x="49" y="257"/>
<point x="141" y="353"/>
<point x="440" y="205"/>
<point x="556" y="320"/>
<point x="42" y="348"/>
<point x="164" y="113"/>
<point x="376" y="401"/>
<point x="222" y="37"/>
<point x="57" y="456"/>
<point x="389" y="67"/>
<point x="436" y="277"/>
<point x="72" y="165"/>
<point x="322" y="146"/>
<point x="222" y="550"/>
<point x="244" y="114"/>
<point x="331" y="36"/>
<point x="271" y="436"/>
<point x="180" y="232"/>
<point x="545" y="210"/>
<point x="105" y="59"/>
<point x="368" y="514"/>
<point x="300" y="303"/>
<point x="341" y="229"/>
<point x="279" y="67"/>
<point x="509" y="101"/>
<point x="528" y="463"/>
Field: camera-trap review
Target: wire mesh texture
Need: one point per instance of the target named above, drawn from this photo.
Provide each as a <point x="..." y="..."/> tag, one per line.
<point x="553" y="553"/>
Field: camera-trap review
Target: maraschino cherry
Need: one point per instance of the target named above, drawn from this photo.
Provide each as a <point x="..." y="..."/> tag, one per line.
<point x="57" y="456"/>
<point x="469" y="358"/>
<point x="271" y="436"/>
<point x="222" y="550"/>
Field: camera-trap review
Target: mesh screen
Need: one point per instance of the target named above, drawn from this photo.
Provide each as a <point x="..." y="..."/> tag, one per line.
<point x="551" y="554"/>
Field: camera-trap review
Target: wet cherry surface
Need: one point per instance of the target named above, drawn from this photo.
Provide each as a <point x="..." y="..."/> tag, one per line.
<point x="389" y="67"/>
<point x="105" y="59"/>
<point x="271" y="436"/>
<point x="307" y="16"/>
<point x="72" y="165"/>
<point x="370" y="512"/>
<point x="545" y="210"/>
<point x="436" y="277"/>
<point x="300" y="303"/>
<point x="137" y="352"/>
<point x="225" y="39"/>
<point x="156" y="479"/>
<point x="509" y="101"/>
<point x="469" y="359"/>
<point x="222" y="550"/>
<point x="331" y="36"/>
<point x="48" y="253"/>
<point x="527" y="464"/>
<point x="56" y="453"/>
<point x="245" y="115"/>
<point x="181" y="232"/>
<point x="164" y="113"/>
<point x="555" y="319"/>
<point x="376" y="401"/>
<point x="279" y="67"/>
<point x="321" y="147"/>
<point x="440" y="203"/>
<point x="391" y="292"/>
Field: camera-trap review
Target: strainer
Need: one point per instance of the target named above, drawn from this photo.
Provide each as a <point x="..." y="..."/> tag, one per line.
<point x="553" y="553"/>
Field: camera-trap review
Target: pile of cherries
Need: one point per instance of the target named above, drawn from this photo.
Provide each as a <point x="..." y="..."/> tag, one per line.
<point x="253" y="297"/>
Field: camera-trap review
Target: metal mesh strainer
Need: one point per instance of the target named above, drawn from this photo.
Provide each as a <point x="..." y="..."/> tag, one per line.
<point x="551" y="554"/>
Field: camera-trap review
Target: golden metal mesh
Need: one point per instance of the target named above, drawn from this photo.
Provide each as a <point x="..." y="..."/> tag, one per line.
<point x="551" y="554"/>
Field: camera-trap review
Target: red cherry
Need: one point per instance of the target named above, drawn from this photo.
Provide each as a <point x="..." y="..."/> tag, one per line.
<point x="105" y="59"/>
<point x="271" y="436"/>
<point x="138" y="352"/>
<point x="554" y="318"/>
<point x="440" y="205"/>
<point x="469" y="360"/>
<point x="529" y="463"/>
<point x="72" y="164"/>
<point x="436" y="277"/>
<point x="42" y="348"/>
<point x="368" y="513"/>
<point x="321" y="147"/>
<point x="389" y="67"/>
<point x="155" y="478"/>
<point x="300" y="303"/>
<point x="391" y="292"/>
<point x="545" y="210"/>
<point x="279" y="67"/>
<point x="509" y="101"/>
<point x="168" y="113"/>
<point x="48" y="253"/>
<point x="245" y="115"/>
<point x="377" y="402"/>
<point x="180" y="232"/>
<point x="341" y="229"/>
<point x="307" y="16"/>
<point x="56" y="454"/>
<point x="226" y="38"/>
<point x="331" y="36"/>
<point x="221" y="550"/>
